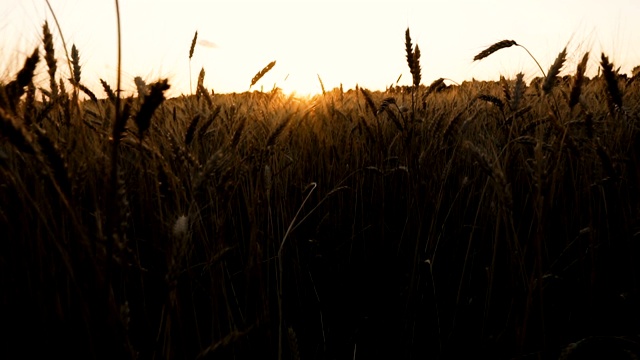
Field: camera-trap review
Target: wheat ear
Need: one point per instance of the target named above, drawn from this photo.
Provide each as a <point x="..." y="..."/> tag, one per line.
<point x="111" y="95"/>
<point x="191" y="49"/>
<point x="408" y="49"/>
<point x="413" y="58"/>
<point x="611" y="79"/>
<point x="503" y="44"/>
<point x="578" y="80"/>
<point x="506" y="90"/>
<point x="518" y="92"/>
<point x="554" y="70"/>
<point x="273" y="137"/>
<point x="141" y="86"/>
<point x="188" y="138"/>
<point x="50" y="58"/>
<point x="415" y="71"/>
<point x="149" y="106"/>
<point x="321" y="85"/>
<point x="261" y="73"/>
<point x="15" y="89"/>
<point x="369" y="101"/>
<point x="493" y="48"/>
<point x="56" y="161"/>
<point x="64" y="43"/>
<point x="214" y="114"/>
<point x="75" y="63"/>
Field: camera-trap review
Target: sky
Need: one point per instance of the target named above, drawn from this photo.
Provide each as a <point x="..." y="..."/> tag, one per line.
<point x="343" y="42"/>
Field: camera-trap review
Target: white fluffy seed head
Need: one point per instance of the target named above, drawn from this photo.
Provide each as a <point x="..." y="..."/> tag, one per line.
<point x="181" y="227"/>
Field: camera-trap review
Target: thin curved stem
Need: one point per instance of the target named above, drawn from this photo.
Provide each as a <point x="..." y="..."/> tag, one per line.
<point x="534" y="59"/>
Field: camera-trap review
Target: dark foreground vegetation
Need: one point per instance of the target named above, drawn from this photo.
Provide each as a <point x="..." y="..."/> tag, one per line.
<point x="487" y="219"/>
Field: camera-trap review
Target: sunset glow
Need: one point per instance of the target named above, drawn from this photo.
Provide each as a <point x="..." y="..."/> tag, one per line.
<point x="343" y="42"/>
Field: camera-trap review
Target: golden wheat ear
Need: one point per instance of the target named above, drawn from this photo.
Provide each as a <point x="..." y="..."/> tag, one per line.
<point x="107" y="89"/>
<point x="150" y="104"/>
<point x="503" y="44"/>
<point x="191" y="49"/>
<point x="493" y="48"/>
<point x="50" y="58"/>
<point x="15" y="89"/>
<point x="413" y="58"/>
<point x="611" y="78"/>
<point x="261" y="73"/>
<point x="554" y="70"/>
<point x="578" y="80"/>
<point x="75" y="63"/>
<point x="518" y="92"/>
<point x="408" y="49"/>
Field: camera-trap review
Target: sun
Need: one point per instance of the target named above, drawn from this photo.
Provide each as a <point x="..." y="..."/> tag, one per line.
<point x="299" y="84"/>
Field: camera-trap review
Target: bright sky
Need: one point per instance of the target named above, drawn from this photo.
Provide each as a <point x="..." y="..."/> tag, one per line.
<point x="346" y="41"/>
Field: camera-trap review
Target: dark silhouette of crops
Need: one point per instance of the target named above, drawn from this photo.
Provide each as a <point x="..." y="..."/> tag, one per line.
<point x="496" y="219"/>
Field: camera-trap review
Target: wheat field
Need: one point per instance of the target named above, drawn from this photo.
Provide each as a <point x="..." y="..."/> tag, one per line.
<point x="497" y="219"/>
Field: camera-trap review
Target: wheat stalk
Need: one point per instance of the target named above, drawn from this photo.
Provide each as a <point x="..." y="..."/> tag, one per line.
<point x="107" y="89"/>
<point x="209" y="166"/>
<point x="369" y="101"/>
<point x="385" y="104"/>
<point x="413" y="59"/>
<point x="415" y="71"/>
<point x="578" y="80"/>
<point x="492" y="169"/>
<point x="491" y="99"/>
<point x="238" y="133"/>
<point x="503" y="44"/>
<point x="191" y="49"/>
<point x="321" y="85"/>
<point x="13" y="129"/>
<point x="436" y="86"/>
<point x="518" y="92"/>
<point x="452" y="126"/>
<point x="367" y="129"/>
<point x="610" y="77"/>
<point x="141" y="86"/>
<point x="293" y="344"/>
<point x="261" y="73"/>
<point x="551" y="78"/>
<point x="493" y="48"/>
<point x="409" y="50"/>
<point x="506" y="90"/>
<point x="76" y="76"/>
<point x="64" y="43"/>
<point x="275" y="134"/>
<point x="182" y="156"/>
<point x="267" y="176"/>
<point x="75" y="62"/>
<point x="56" y="161"/>
<point x="193" y="45"/>
<point x="191" y="130"/>
<point x="393" y="117"/>
<point x="30" y="104"/>
<point x="15" y="89"/>
<point x="200" y="89"/>
<point x="210" y="120"/>
<point x="150" y="104"/>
